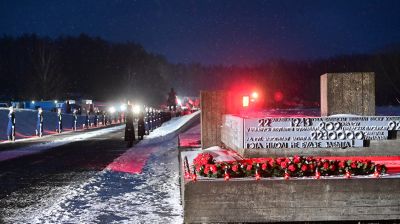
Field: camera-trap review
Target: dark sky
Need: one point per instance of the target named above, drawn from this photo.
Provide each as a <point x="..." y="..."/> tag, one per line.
<point x="216" y="31"/>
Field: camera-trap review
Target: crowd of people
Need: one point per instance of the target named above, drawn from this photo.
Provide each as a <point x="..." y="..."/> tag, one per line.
<point x="147" y="120"/>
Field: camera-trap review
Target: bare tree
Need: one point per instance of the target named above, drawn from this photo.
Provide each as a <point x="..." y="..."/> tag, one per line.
<point x="47" y="78"/>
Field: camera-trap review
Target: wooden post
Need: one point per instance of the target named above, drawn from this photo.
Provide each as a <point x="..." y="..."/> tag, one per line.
<point x="348" y="93"/>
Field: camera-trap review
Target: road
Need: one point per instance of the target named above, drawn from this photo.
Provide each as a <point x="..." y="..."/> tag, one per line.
<point x="76" y="182"/>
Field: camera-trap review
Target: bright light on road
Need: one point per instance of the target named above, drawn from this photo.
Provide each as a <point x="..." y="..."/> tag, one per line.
<point x="33" y="102"/>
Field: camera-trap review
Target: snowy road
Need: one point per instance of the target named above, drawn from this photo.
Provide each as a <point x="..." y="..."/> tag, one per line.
<point x="82" y="182"/>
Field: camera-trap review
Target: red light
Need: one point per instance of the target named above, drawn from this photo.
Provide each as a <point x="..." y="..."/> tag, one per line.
<point x="278" y="96"/>
<point x="254" y="95"/>
<point x="246" y="101"/>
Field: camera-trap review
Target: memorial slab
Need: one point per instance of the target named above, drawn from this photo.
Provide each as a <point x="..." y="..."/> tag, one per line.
<point x="352" y="93"/>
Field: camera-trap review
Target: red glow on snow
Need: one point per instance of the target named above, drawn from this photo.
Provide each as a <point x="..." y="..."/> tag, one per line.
<point x="20" y="135"/>
<point x="50" y="132"/>
<point x="131" y="161"/>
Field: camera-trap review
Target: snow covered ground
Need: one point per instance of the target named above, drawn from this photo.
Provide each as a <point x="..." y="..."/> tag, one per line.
<point x="149" y="195"/>
<point x="38" y="148"/>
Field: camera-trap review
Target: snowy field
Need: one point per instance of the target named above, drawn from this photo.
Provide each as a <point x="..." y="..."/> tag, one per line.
<point x="148" y="195"/>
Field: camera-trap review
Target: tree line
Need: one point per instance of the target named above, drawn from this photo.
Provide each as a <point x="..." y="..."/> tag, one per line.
<point x="34" y="67"/>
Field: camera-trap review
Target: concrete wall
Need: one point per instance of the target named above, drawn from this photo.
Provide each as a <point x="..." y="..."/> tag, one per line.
<point x="213" y="105"/>
<point x="232" y="131"/>
<point x="291" y="200"/>
<point x="348" y="93"/>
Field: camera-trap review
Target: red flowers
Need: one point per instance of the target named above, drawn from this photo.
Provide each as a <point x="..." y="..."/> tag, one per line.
<point x="333" y="167"/>
<point x="292" y="168"/>
<point x="235" y="168"/>
<point x="296" y="166"/>
<point x="249" y="167"/>
<point x="213" y="168"/>
<point x="304" y="167"/>
<point x="203" y="159"/>
<point x="264" y="166"/>
<point x="296" y="159"/>
<point x="206" y="169"/>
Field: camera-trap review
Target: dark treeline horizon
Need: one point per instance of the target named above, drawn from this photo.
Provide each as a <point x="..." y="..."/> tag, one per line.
<point x="71" y="67"/>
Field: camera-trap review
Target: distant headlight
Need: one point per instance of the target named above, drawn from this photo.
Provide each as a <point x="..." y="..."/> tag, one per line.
<point x="136" y="109"/>
<point x="111" y="110"/>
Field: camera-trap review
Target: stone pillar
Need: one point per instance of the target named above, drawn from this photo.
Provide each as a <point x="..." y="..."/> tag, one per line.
<point x="348" y="93"/>
<point x="213" y="105"/>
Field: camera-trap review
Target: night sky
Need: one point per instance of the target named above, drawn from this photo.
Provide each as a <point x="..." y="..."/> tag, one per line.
<point x="216" y="32"/>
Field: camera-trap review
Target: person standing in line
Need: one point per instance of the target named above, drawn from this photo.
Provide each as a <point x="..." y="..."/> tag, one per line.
<point x="151" y="119"/>
<point x="87" y="120"/>
<point x="129" y="126"/>
<point x="141" y="125"/>
<point x="104" y="118"/>
<point x="59" y="121"/>
<point x="11" y="124"/>
<point x="147" y="121"/>
<point x="96" y="119"/>
<point x="171" y="101"/>
<point x="39" y="123"/>
<point x="74" y="120"/>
